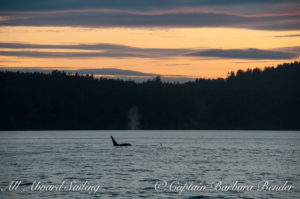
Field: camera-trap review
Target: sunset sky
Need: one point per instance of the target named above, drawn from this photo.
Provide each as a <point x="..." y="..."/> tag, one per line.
<point x="139" y="39"/>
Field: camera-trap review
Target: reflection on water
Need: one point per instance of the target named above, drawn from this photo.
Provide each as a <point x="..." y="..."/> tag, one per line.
<point x="179" y="157"/>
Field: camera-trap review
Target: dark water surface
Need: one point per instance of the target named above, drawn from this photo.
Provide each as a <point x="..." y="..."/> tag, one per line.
<point x="158" y="164"/>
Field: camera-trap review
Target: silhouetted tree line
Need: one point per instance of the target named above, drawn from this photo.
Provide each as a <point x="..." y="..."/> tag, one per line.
<point x="252" y="99"/>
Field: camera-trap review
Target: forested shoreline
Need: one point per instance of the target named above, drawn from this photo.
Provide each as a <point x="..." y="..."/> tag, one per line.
<point x="254" y="99"/>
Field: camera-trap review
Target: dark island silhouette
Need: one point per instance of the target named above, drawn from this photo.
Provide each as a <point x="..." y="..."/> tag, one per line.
<point x="116" y="144"/>
<point x="253" y="99"/>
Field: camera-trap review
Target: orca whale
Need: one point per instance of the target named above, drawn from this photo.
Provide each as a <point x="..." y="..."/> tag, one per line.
<point x="116" y="144"/>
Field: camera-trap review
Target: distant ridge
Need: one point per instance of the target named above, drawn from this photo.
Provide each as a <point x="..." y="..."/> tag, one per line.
<point x="254" y="99"/>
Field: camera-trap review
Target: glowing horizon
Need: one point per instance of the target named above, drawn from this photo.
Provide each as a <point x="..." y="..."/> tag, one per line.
<point x="245" y="39"/>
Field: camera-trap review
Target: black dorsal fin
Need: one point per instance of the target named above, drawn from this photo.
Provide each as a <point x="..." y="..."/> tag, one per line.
<point x="114" y="141"/>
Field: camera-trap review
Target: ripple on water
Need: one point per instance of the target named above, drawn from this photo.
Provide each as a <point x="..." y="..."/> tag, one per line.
<point x="199" y="197"/>
<point x="199" y="156"/>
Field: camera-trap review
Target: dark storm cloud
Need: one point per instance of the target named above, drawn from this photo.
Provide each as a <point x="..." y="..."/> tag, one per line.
<point x="119" y="51"/>
<point x="37" y="5"/>
<point x="98" y="50"/>
<point x="119" y="19"/>
<point x="292" y="49"/>
<point x="250" y="53"/>
<point x="138" y="13"/>
<point x="75" y="46"/>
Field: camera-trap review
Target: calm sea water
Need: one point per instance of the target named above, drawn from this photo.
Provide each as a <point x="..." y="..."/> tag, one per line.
<point x="158" y="165"/>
